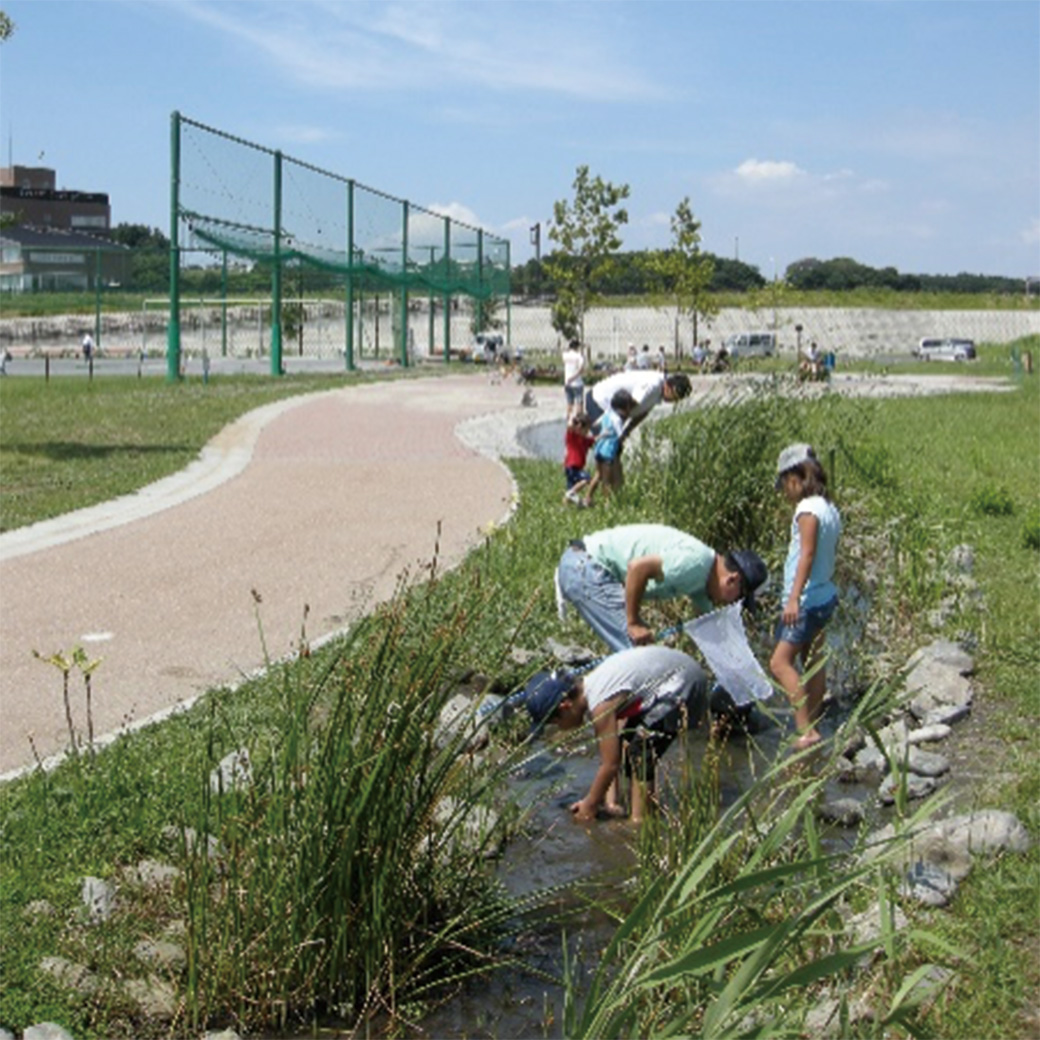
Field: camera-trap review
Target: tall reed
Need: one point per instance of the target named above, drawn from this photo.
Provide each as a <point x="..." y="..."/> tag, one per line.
<point x="351" y="872"/>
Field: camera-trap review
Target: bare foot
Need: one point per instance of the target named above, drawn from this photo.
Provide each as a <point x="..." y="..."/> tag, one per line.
<point x="807" y="739"/>
<point x="616" y="812"/>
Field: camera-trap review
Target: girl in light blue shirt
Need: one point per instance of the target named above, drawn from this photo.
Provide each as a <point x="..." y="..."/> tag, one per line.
<point x="810" y="595"/>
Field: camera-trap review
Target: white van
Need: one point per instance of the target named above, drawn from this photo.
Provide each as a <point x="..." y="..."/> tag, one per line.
<point x="948" y="349"/>
<point x="750" y="344"/>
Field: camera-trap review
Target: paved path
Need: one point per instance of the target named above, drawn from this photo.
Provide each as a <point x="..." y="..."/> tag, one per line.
<point x="320" y="501"/>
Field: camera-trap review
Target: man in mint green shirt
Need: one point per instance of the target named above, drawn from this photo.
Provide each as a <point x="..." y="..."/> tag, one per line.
<point x="607" y="576"/>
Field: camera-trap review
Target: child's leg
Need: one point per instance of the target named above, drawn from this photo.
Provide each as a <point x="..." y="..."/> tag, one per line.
<point x="594" y="483"/>
<point x="816" y="685"/>
<point x="782" y="665"/>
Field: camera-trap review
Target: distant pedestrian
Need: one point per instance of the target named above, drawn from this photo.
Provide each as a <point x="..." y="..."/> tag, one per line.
<point x="4" y="358"/>
<point x="88" y="346"/>
<point x="810" y="595"/>
<point x="573" y="382"/>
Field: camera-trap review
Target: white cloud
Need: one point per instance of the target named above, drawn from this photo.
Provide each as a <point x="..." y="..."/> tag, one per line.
<point x="759" y="171"/>
<point x="303" y="134"/>
<point x="389" y="46"/>
<point x="1031" y="233"/>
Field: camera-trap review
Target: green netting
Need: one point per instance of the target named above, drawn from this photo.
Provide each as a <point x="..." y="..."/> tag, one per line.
<point x="258" y="204"/>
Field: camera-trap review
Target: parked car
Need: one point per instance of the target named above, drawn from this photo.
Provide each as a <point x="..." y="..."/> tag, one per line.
<point x="948" y="349"/>
<point x="750" y="344"/>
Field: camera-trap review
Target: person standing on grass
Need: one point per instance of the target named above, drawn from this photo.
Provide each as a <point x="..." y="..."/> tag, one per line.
<point x="810" y="595"/>
<point x="573" y="382"/>
<point x="607" y="575"/>
<point x="608" y="440"/>
<point x="638" y="701"/>
<point x="577" y="440"/>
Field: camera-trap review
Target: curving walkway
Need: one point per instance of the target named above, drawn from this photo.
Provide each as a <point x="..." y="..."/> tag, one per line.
<point x="318" y="502"/>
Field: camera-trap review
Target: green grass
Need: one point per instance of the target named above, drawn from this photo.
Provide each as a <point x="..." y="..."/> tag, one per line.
<point x="910" y="476"/>
<point x="66" y="444"/>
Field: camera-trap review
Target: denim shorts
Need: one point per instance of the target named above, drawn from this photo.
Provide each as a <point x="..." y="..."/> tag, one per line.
<point x="574" y="393"/>
<point x="575" y="475"/>
<point x="810" y="621"/>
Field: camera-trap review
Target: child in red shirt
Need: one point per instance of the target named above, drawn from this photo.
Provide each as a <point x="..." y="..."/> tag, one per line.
<point x="577" y="441"/>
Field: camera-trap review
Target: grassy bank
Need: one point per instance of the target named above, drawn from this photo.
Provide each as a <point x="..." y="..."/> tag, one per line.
<point x="914" y="479"/>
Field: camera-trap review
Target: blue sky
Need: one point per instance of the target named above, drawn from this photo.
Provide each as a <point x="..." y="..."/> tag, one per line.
<point x="901" y="134"/>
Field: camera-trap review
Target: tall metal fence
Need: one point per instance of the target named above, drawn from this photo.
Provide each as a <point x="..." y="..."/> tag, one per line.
<point x="334" y="250"/>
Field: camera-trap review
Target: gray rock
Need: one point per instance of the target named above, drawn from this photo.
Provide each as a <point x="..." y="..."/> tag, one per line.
<point x="234" y="771"/>
<point x="5" y="1035"/>
<point x="987" y="830"/>
<point x="161" y="954"/>
<point x="70" y="974"/>
<point x="961" y="560"/>
<point x="930" y="986"/>
<point x="518" y="655"/>
<point x="153" y="997"/>
<point x="459" y="721"/>
<point x="845" y="770"/>
<point x="942" y="652"/>
<point x="928" y="884"/>
<point x="38" y="908"/>
<point x="894" y="736"/>
<point x="866" y="927"/>
<point x="916" y="787"/>
<point x="926" y="763"/>
<point x="98" y="897"/>
<point x="570" y="656"/>
<point x="945" y="688"/>
<point x="929" y="734"/>
<point x="47" y="1031"/>
<point x="945" y="715"/>
<point x="150" y="873"/>
<point x="844" y="812"/>
<point x="226" y="1034"/>
<point x="869" y="764"/>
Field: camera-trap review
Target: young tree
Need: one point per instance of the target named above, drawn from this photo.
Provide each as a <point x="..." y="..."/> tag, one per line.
<point x="683" y="271"/>
<point x="587" y="234"/>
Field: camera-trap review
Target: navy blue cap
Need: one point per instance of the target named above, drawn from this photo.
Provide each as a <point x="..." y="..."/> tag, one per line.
<point x="543" y="693"/>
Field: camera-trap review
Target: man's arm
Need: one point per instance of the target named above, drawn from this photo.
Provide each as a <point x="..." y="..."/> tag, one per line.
<point x="640" y="572"/>
<point x="605" y="726"/>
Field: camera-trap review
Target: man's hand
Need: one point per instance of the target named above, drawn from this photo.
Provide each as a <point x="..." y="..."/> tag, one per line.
<point x="583" y="810"/>
<point x="640" y="634"/>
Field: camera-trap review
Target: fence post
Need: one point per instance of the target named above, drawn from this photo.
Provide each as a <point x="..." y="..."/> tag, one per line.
<point x="173" y="325"/>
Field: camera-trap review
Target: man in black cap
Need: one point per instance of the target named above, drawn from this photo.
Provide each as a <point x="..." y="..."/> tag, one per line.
<point x="638" y="701"/>
<point x="608" y="574"/>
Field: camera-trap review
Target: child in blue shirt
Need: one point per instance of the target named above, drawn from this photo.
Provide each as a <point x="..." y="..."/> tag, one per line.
<point x="607" y="449"/>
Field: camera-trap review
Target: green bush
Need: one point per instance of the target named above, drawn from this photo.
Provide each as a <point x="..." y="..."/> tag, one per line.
<point x="992" y="500"/>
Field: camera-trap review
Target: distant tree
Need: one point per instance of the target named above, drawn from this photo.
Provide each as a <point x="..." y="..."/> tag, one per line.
<point x="684" y="272"/>
<point x="587" y="233"/>
<point x="6" y="26"/>
<point x="139" y="236"/>
<point x="735" y="276"/>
